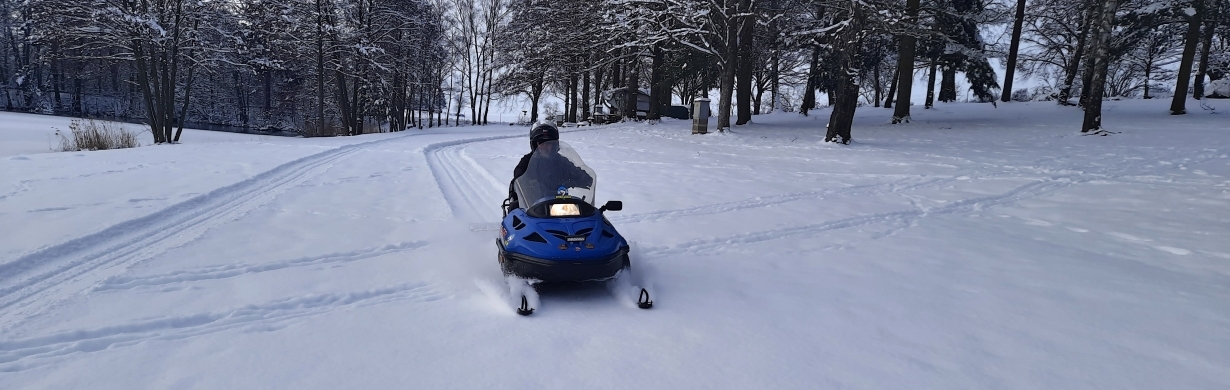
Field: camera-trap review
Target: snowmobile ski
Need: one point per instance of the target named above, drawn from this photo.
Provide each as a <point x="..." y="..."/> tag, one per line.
<point x="525" y="308"/>
<point x="643" y="300"/>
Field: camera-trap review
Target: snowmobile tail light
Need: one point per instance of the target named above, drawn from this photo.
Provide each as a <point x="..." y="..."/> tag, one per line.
<point x="564" y="210"/>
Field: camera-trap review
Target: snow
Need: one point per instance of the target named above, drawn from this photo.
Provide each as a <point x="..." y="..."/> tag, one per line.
<point x="976" y="247"/>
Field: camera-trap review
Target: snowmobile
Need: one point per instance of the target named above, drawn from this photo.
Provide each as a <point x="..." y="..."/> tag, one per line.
<point x="554" y="233"/>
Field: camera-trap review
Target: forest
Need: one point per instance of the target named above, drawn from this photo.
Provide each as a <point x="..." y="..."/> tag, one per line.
<point x="348" y="67"/>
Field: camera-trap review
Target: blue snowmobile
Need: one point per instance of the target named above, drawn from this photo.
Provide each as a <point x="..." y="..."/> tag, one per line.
<point x="555" y="233"/>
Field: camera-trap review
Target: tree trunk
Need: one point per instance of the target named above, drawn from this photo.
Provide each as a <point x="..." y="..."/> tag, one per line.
<point x="574" y="80"/>
<point x="875" y="85"/>
<point x="727" y="90"/>
<point x="535" y="95"/>
<point x="775" y="73"/>
<point x="1065" y="92"/>
<point x="730" y="63"/>
<point x="1206" y="42"/>
<point x="598" y="89"/>
<point x="905" y="67"/>
<point x="845" y="93"/>
<point x="747" y="25"/>
<point x="146" y="80"/>
<point x="1179" y="103"/>
<point x="948" y="84"/>
<point x="1100" y="57"/>
<point x="568" y="103"/>
<point x="930" y="102"/>
<point x="809" y="94"/>
<point x="320" y="69"/>
<point x="1148" y="78"/>
<point x="268" y="84"/>
<point x="240" y="109"/>
<point x="1090" y="63"/>
<point x="585" y="102"/>
<point x="57" y="73"/>
<point x="78" y="110"/>
<point x="892" y="90"/>
<point x="1012" y="50"/>
<point x="633" y="96"/>
<point x="756" y="101"/>
<point x="183" y="112"/>
<point x="655" y="83"/>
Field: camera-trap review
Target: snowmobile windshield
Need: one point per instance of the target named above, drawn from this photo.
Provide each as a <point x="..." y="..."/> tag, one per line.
<point x="555" y="172"/>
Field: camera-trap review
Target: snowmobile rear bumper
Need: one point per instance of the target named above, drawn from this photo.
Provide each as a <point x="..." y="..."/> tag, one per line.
<point x="570" y="270"/>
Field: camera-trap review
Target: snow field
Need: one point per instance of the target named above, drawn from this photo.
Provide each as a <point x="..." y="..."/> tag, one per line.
<point x="976" y="247"/>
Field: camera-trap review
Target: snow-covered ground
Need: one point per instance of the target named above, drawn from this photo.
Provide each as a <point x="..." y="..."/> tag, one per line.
<point x="977" y="247"/>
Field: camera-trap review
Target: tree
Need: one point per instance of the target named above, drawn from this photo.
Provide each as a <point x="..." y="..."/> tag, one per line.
<point x="1153" y="56"/>
<point x="905" y="65"/>
<point x="1014" y="47"/>
<point x="1178" y="103"/>
<point x="162" y="38"/>
<point x="1100" y="57"/>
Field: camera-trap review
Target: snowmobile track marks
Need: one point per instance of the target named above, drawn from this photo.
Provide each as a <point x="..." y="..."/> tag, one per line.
<point x="24" y="354"/>
<point x="238" y="269"/>
<point x="58" y="271"/>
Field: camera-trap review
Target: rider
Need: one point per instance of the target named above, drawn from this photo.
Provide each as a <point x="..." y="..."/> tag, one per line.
<point x="544" y="142"/>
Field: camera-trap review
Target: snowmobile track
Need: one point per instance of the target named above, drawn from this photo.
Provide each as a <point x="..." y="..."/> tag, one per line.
<point x="466" y="186"/>
<point x="55" y="272"/>
<point x="471" y="192"/>
<point x="24" y="354"/>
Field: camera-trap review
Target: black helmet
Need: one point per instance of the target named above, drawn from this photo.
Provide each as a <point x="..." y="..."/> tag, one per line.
<point x="542" y="132"/>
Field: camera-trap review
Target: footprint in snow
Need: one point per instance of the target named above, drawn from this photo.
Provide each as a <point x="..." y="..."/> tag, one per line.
<point x="1078" y="230"/>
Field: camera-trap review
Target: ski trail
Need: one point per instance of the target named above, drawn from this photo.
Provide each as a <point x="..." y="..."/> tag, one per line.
<point x="24" y="354"/>
<point x="53" y="273"/>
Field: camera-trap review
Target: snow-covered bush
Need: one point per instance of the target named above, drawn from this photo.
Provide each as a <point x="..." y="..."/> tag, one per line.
<point x="1022" y="95"/>
<point x="1218" y="89"/>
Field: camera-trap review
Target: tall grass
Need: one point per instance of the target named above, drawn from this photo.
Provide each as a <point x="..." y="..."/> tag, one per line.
<point x="89" y="134"/>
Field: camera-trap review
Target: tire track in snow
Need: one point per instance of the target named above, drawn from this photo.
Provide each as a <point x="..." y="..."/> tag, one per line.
<point x="470" y="191"/>
<point x="467" y="186"/>
<point x="238" y="269"/>
<point x="52" y="273"/>
<point x="24" y="354"/>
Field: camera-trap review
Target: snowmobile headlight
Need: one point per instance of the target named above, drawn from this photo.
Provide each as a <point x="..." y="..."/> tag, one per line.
<point x="564" y="210"/>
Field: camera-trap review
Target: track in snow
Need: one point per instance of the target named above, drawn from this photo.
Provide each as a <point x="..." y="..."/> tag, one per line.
<point x="471" y="192"/>
<point x="24" y="354"/>
<point x="53" y="273"/>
